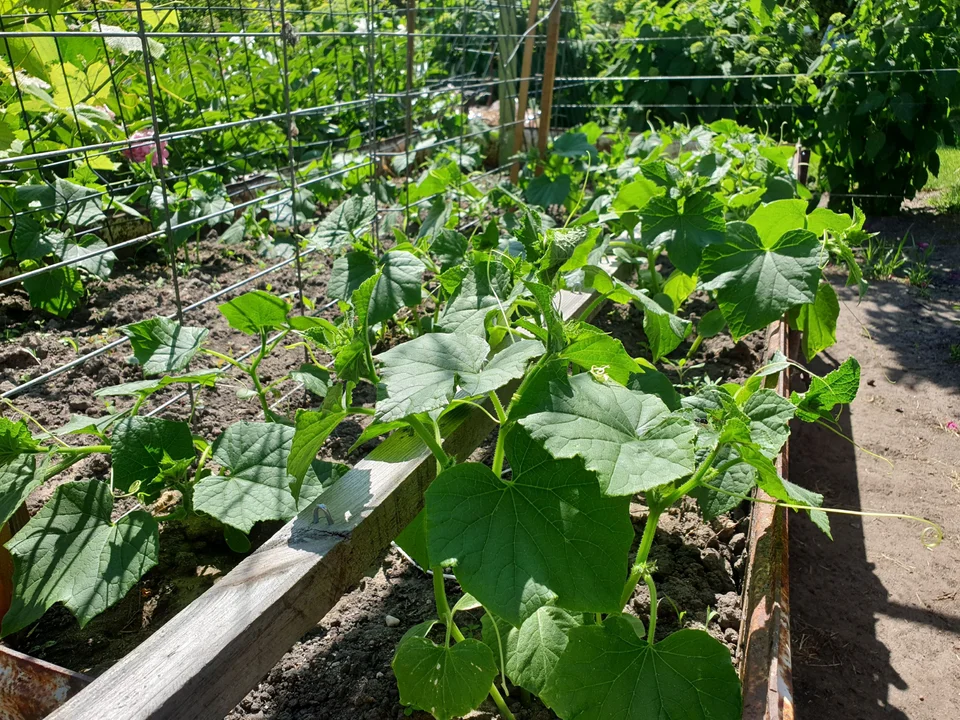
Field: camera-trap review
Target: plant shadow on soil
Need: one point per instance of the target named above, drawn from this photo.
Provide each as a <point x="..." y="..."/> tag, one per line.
<point x="841" y="666"/>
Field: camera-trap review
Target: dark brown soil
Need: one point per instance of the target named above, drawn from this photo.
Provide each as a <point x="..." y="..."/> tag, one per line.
<point x="876" y="615"/>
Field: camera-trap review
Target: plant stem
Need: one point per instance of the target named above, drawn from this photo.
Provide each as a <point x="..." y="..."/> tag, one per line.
<point x="227" y="359"/>
<point x="594" y="304"/>
<point x="501" y="435"/>
<point x="694" y="481"/>
<point x="501" y="705"/>
<point x="652" y="627"/>
<point x="643" y="552"/>
<point x="77" y="450"/>
<point x="430" y="440"/>
<point x="361" y="411"/>
<point x="652" y="267"/>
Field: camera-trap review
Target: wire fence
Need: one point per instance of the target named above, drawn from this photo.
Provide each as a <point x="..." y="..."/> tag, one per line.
<point x="131" y="132"/>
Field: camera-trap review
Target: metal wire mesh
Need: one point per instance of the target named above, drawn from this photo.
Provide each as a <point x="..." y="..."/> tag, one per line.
<point x="141" y="147"/>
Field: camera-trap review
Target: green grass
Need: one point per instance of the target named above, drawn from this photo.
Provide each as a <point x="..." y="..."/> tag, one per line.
<point x="949" y="171"/>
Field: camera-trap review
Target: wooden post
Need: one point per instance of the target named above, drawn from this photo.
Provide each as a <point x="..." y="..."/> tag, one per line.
<point x="525" y="69"/>
<point x="549" y="75"/>
<point x="17" y="521"/>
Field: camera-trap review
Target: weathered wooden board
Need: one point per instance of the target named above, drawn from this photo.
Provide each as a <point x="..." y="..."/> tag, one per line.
<point x="206" y="659"/>
<point x="765" y="668"/>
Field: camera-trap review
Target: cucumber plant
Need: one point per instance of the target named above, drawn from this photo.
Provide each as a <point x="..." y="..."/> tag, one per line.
<point x="540" y="538"/>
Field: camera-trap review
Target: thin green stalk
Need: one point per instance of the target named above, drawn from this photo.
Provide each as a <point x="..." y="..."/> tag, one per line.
<point x="643" y="552"/>
<point x="594" y="304"/>
<point x="75" y="455"/>
<point x="652" y="267"/>
<point x="352" y="410"/>
<point x="227" y="359"/>
<point x="694" y="481"/>
<point x="430" y="440"/>
<point x="498" y="453"/>
<point x="652" y="626"/>
<point x="32" y="419"/>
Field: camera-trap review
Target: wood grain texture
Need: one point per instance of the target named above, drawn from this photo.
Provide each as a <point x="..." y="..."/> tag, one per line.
<point x="206" y="659"/>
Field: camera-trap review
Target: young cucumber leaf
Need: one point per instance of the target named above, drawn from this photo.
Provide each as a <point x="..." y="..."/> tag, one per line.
<point x="738" y="479"/>
<point x="161" y="345"/>
<point x="71" y="552"/>
<point x="485" y="287"/>
<point x="18" y="478"/>
<point x="591" y="348"/>
<point x="57" y="291"/>
<point x="447" y="682"/>
<point x="256" y="312"/>
<point x="421" y="375"/>
<point x="15" y="438"/>
<point x="770" y="415"/>
<point x="545" y="535"/>
<point x="315" y="379"/>
<point x="817" y="321"/>
<point x="758" y="281"/>
<point x="145" y="388"/>
<point x="607" y="671"/>
<point x="533" y="649"/>
<point x="348" y="273"/>
<point x="146" y="450"/>
<point x="311" y="431"/>
<point x="258" y="485"/>
<point x="629" y="439"/>
<point x="397" y="286"/>
<point x="685" y="231"/>
<point x="839" y="387"/>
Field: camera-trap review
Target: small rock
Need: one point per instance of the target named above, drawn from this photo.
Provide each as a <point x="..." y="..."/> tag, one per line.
<point x="379" y="675"/>
<point x="391" y="621"/>
<point x="737" y="543"/>
<point x="728" y="610"/>
<point x="78" y="403"/>
<point x="730" y="636"/>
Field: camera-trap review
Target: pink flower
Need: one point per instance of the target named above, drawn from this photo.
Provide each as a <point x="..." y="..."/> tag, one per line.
<point x="953" y="427"/>
<point x="141" y="151"/>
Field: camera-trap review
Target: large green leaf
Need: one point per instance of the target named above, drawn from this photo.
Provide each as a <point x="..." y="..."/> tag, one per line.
<point x="756" y="282"/>
<point x="774" y="219"/>
<point x="348" y="221"/>
<point x="148" y="449"/>
<point x="31" y="241"/>
<point x="257" y="486"/>
<point x="255" y="312"/>
<point x="592" y="348"/>
<point x="348" y="273"/>
<point x="71" y="552"/>
<point x="545" y="192"/>
<point x="738" y="479"/>
<point x="447" y="682"/>
<point x="684" y="230"/>
<point x="18" y="478"/>
<point x="311" y="431"/>
<point x="485" y="287"/>
<point x="770" y="414"/>
<point x="398" y="285"/>
<point x="100" y="266"/>
<point x="574" y="145"/>
<point x="628" y="438"/>
<point x="162" y="345"/>
<point x="608" y="672"/>
<point x="544" y="536"/>
<point x="817" y="322"/>
<point x="420" y="375"/>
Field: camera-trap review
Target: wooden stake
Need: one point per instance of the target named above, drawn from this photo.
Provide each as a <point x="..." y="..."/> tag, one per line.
<point x="549" y="75"/>
<point x="525" y="69"/>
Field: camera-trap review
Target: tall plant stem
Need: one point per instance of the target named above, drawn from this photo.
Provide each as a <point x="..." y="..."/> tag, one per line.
<point x="444" y="612"/>
<point x="501" y="436"/>
<point x="643" y="552"/>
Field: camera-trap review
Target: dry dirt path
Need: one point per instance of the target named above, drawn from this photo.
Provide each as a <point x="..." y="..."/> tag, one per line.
<point x="876" y="615"/>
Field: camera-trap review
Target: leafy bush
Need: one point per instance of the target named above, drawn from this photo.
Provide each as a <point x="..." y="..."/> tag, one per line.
<point x="877" y="131"/>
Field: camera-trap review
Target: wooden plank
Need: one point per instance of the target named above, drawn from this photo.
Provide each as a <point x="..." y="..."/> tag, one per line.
<point x="206" y="659"/>
<point x="765" y="667"/>
<point x="549" y="75"/>
<point x="526" y="67"/>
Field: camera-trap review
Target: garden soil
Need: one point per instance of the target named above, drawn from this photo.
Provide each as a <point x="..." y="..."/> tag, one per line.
<point x="875" y="614"/>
